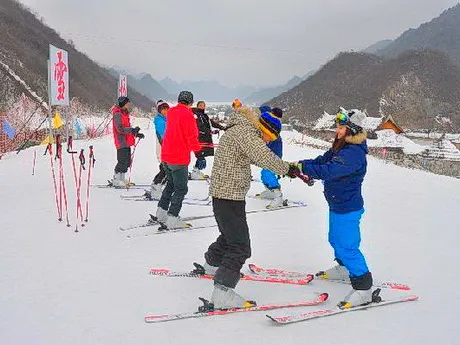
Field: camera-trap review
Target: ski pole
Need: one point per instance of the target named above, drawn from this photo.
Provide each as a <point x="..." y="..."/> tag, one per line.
<point x="56" y="158"/>
<point x="131" y="162"/>
<point x="81" y="157"/>
<point x="72" y="153"/>
<point x="63" y="190"/>
<point x="92" y="160"/>
<point x="50" y="150"/>
<point x="35" y="160"/>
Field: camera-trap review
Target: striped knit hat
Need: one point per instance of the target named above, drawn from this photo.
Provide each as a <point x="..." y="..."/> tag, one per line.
<point x="270" y="125"/>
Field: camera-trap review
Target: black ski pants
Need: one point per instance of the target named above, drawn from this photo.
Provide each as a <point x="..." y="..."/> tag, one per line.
<point x="124" y="160"/>
<point x="233" y="247"/>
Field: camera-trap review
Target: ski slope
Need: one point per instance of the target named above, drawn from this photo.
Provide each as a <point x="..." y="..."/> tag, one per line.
<point x="93" y="287"/>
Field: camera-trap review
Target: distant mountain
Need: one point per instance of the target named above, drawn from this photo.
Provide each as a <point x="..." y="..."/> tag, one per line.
<point x="442" y="33"/>
<point x="25" y="49"/>
<point x="211" y="90"/>
<point x="263" y="95"/>
<point x="415" y="88"/>
<point x="145" y="84"/>
<point x="374" y="48"/>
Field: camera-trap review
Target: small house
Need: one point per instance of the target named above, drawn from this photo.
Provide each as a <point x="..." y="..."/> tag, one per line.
<point x="390" y="123"/>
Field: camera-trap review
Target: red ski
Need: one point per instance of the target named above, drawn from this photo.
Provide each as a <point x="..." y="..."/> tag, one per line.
<point x="245" y="277"/>
<point x="274" y="272"/>
<point x="181" y="316"/>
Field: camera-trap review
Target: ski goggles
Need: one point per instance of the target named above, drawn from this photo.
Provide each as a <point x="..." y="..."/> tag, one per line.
<point x="342" y="118"/>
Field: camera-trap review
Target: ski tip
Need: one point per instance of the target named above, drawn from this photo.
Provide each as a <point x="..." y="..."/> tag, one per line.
<point x="274" y="319"/>
<point x="412" y="298"/>
<point x="323" y="297"/>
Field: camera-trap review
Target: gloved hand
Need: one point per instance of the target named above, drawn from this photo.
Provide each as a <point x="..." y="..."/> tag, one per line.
<point x="135" y="130"/>
<point x="201" y="163"/>
<point x="295" y="169"/>
<point x="140" y="136"/>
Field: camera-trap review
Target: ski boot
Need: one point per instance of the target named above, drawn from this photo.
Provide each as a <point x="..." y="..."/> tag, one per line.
<point x="160" y="217"/>
<point x="337" y="272"/>
<point x="226" y="298"/>
<point x="155" y="191"/>
<point x="174" y="222"/>
<point x="277" y="200"/>
<point x="267" y="194"/>
<point x="118" y="181"/>
<point x="356" y="298"/>
<point x="197" y="175"/>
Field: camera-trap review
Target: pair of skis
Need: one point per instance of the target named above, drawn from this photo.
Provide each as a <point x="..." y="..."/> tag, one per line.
<point x="274" y="276"/>
<point x="376" y="299"/>
<point x="151" y="222"/>
<point x="147" y="196"/>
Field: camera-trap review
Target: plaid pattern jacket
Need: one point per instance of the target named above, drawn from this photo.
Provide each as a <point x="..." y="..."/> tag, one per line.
<point x="239" y="147"/>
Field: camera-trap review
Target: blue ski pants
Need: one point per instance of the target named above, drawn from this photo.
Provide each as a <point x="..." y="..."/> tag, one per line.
<point x="269" y="179"/>
<point x="345" y="238"/>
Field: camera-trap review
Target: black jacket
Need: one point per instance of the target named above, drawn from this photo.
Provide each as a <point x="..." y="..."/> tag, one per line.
<point x="204" y="132"/>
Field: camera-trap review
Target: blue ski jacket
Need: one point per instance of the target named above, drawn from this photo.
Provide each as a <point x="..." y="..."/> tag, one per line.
<point x="343" y="173"/>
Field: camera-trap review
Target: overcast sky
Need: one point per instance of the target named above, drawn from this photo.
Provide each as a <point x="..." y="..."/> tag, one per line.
<point x="252" y="42"/>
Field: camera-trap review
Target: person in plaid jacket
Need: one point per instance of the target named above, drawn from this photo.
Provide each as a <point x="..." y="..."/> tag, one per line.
<point x="244" y="143"/>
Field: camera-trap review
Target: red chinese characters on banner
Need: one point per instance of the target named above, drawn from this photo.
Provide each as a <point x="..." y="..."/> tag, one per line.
<point x="60" y="68"/>
<point x="123" y="86"/>
<point x="58" y="76"/>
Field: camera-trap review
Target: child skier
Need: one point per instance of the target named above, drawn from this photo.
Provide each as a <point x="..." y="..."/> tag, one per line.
<point x="269" y="179"/>
<point x="159" y="121"/>
<point x="124" y="136"/>
<point x="242" y="144"/>
<point x="342" y="169"/>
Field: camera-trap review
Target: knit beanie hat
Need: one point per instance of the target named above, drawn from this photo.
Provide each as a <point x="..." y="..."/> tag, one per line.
<point x="277" y="112"/>
<point x="237" y="104"/>
<point x="122" y="101"/>
<point x="265" y="109"/>
<point x="185" y="97"/>
<point x="162" y="105"/>
<point x="270" y="125"/>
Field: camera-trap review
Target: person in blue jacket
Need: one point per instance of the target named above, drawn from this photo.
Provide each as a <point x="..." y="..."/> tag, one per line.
<point x="269" y="179"/>
<point x="159" y="121"/>
<point x="342" y="168"/>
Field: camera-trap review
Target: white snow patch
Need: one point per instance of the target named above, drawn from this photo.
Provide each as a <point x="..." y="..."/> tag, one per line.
<point x="388" y="138"/>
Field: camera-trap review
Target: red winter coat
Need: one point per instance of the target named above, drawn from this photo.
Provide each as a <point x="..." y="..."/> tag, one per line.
<point x="122" y="131"/>
<point x="181" y="136"/>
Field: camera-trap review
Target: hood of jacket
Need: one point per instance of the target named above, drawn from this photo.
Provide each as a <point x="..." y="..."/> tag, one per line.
<point x="244" y="116"/>
<point x="359" y="140"/>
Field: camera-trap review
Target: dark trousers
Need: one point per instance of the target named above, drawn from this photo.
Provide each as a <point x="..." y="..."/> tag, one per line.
<point x="160" y="178"/>
<point x="176" y="188"/>
<point x="233" y="247"/>
<point x="124" y="160"/>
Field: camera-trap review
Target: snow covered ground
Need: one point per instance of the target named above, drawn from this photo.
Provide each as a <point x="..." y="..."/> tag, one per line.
<point x="93" y="287"/>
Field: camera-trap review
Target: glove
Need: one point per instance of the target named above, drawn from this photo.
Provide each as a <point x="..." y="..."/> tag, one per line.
<point x="140" y="136"/>
<point x="201" y="163"/>
<point x="295" y="169"/>
<point x="135" y="130"/>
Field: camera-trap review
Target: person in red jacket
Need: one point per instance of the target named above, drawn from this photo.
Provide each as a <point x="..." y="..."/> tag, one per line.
<point x="124" y="136"/>
<point x="180" y="139"/>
